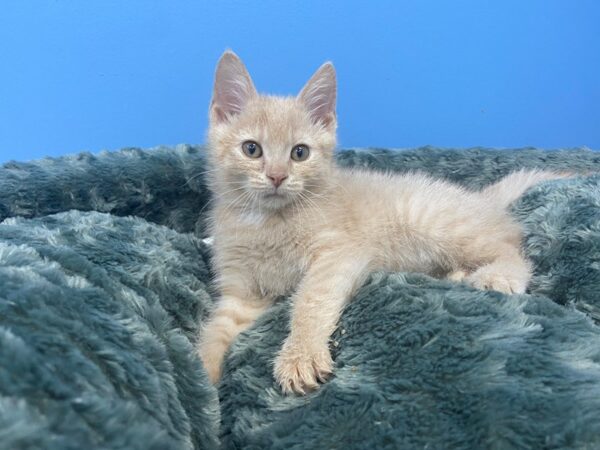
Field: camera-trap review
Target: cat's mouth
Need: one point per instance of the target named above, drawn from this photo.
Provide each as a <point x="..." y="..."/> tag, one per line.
<point x="275" y="194"/>
<point x="276" y="198"/>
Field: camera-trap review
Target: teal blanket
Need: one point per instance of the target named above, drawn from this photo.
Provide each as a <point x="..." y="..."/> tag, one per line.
<point x="105" y="279"/>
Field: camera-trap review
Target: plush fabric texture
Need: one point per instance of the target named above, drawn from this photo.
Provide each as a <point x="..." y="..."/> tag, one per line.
<point x="105" y="280"/>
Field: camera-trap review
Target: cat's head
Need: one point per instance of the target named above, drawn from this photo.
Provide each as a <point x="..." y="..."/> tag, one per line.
<point x="272" y="150"/>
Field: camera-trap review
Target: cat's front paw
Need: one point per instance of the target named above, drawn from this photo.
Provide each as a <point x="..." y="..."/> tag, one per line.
<point x="299" y="369"/>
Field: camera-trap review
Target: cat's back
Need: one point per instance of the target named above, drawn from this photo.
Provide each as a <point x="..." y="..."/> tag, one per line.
<point x="378" y="190"/>
<point x="411" y="221"/>
<point x="372" y="204"/>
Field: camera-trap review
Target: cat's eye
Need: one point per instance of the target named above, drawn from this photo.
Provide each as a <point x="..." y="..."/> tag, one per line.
<point x="300" y="152"/>
<point x="251" y="149"/>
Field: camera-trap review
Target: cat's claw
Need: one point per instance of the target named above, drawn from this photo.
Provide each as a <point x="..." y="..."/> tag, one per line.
<point x="299" y="371"/>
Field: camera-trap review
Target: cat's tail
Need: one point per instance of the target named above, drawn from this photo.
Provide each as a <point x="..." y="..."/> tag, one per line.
<point x="512" y="186"/>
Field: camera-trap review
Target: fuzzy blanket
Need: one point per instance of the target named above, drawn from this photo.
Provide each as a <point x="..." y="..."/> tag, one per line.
<point x="105" y="278"/>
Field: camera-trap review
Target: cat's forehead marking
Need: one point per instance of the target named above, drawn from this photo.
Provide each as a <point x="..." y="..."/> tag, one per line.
<point x="276" y="121"/>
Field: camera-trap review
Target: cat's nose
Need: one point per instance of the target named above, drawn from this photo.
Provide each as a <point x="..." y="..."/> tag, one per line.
<point x="276" y="179"/>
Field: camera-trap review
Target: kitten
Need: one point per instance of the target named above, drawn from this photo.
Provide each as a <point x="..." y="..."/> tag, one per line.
<point x="287" y="221"/>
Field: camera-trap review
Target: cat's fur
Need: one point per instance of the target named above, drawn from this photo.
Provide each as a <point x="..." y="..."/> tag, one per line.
<point x="318" y="235"/>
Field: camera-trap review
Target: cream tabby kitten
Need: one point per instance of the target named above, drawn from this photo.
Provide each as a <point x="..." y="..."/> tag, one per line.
<point x="287" y="221"/>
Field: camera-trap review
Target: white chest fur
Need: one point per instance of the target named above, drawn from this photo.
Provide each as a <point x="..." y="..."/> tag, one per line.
<point x="270" y="254"/>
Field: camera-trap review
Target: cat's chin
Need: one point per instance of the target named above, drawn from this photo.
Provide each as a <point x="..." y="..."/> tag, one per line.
<point x="275" y="201"/>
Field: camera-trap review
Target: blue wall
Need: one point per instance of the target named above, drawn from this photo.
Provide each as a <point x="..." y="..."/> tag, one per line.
<point x="92" y="75"/>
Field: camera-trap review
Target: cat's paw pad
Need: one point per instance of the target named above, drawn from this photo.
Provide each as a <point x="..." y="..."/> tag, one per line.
<point x="212" y="358"/>
<point x="496" y="281"/>
<point x="298" y="370"/>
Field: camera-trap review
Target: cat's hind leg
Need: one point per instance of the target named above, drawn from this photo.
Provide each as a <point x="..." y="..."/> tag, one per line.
<point x="457" y="275"/>
<point x="232" y="316"/>
<point x="509" y="272"/>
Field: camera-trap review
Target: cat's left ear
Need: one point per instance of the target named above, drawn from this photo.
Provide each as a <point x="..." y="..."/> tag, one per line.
<point x="319" y="94"/>
<point x="232" y="90"/>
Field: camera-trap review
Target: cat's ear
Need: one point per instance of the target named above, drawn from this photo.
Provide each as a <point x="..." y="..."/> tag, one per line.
<point x="232" y="90"/>
<point x="318" y="95"/>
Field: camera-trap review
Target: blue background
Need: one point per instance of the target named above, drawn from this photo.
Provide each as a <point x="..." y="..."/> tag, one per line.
<point x="91" y="75"/>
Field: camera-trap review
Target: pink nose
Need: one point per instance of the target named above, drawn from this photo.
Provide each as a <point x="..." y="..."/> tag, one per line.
<point x="277" y="179"/>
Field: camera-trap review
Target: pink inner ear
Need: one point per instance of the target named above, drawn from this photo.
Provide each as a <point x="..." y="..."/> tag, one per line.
<point x="233" y="87"/>
<point x="217" y="114"/>
<point x="319" y="95"/>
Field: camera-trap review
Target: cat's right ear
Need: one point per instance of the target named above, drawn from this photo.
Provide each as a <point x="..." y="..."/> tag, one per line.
<point x="232" y="90"/>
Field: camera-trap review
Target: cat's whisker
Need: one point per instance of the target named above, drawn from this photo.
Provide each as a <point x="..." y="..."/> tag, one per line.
<point x="251" y="198"/>
<point x="309" y="205"/>
<point x="331" y="185"/>
<point x="199" y="174"/>
<point x="259" y="203"/>
<point x="312" y="202"/>
<point x="229" y="183"/>
<point x="242" y="199"/>
<point x="314" y="194"/>
<point x="248" y="201"/>
<point x="323" y="198"/>
<point x="217" y="197"/>
<point x="303" y="213"/>
<point x="312" y="205"/>
<point x="231" y="205"/>
<point x="222" y="194"/>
